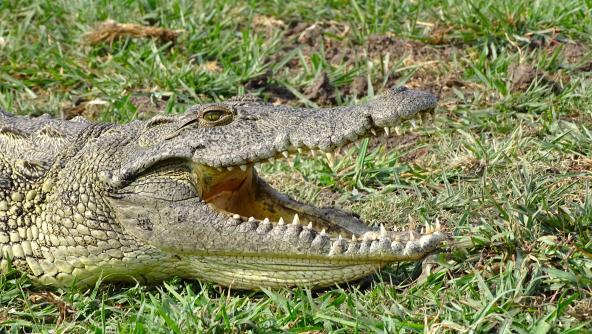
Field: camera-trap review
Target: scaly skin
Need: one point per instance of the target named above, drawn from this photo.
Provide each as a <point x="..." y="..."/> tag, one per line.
<point x="179" y="196"/>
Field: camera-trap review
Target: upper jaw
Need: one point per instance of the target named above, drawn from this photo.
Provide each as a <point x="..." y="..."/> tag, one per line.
<point x="264" y="132"/>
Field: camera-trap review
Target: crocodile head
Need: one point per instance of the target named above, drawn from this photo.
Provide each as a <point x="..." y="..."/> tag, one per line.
<point x="188" y="187"/>
<point x="180" y="196"/>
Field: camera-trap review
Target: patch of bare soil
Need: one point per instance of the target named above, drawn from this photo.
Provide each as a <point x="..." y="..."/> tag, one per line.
<point x="359" y="86"/>
<point x="109" y="31"/>
<point x="579" y="55"/>
<point x="321" y="91"/>
<point x="576" y="55"/>
<point x="524" y="74"/>
<point x="271" y="90"/>
<point x="148" y="106"/>
<point x="335" y="41"/>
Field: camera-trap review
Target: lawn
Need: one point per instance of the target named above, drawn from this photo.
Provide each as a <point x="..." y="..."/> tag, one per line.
<point x="505" y="165"/>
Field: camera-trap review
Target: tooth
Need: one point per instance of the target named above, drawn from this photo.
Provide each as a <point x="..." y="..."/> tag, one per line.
<point x="335" y="249"/>
<point x="366" y="237"/>
<point x="309" y="226"/>
<point x="286" y="154"/>
<point x="252" y="219"/>
<point x="236" y="216"/>
<point x="339" y="238"/>
<point x="323" y="233"/>
<point x="421" y="231"/>
<point x="411" y="222"/>
<point x="428" y="228"/>
<point x="313" y="153"/>
<point x="398" y="130"/>
<point x="230" y="168"/>
<point x="413" y="124"/>
<point x="438" y="226"/>
<point x="219" y="169"/>
<point x="306" y="235"/>
<point x="299" y="150"/>
<point x="354" y="239"/>
<point x="411" y="236"/>
<point x="331" y="158"/>
<point x="320" y="241"/>
<point x="281" y="221"/>
<point x="265" y="226"/>
<point x="243" y="168"/>
<point x="383" y="232"/>
<point x="353" y="246"/>
<point x="338" y="246"/>
<point x="373" y="132"/>
<point x="296" y="220"/>
<point x="387" y="131"/>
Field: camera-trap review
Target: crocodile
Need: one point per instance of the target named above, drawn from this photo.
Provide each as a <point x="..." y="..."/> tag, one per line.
<point x="180" y="196"/>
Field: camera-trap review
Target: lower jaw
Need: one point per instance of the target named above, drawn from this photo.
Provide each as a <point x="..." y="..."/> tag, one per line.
<point x="253" y="273"/>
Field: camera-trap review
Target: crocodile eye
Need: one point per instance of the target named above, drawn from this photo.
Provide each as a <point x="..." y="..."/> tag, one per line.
<point x="216" y="115"/>
<point x="213" y="115"/>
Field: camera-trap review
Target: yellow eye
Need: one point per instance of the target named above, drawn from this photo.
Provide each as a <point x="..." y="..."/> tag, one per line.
<point x="216" y="116"/>
<point x="213" y="115"/>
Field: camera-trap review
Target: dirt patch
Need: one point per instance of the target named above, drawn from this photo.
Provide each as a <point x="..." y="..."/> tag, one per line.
<point x="359" y="86"/>
<point x="148" y="106"/>
<point x="574" y="52"/>
<point x="321" y="91"/>
<point x="378" y="45"/>
<point x="381" y="51"/>
<point x="578" y="55"/>
<point x="523" y="75"/>
<point x="304" y="42"/>
<point x="109" y="31"/>
<point x="269" y="89"/>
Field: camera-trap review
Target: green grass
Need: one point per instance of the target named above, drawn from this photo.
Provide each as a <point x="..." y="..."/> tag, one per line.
<point x="506" y="170"/>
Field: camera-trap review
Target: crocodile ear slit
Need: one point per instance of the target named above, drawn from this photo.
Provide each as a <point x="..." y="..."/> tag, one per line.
<point x="159" y="120"/>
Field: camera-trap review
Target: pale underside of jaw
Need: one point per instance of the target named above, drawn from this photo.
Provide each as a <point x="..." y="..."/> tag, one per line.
<point x="256" y="272"/>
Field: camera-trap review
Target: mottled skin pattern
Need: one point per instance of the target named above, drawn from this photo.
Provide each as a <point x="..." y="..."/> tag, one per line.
<point x="179" y="196"/>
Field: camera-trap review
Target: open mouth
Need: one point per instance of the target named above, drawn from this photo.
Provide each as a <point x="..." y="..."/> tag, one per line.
<point x="325" y="245"/>
<point x="225" y="224"/>
<point x="239" y="192"/>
